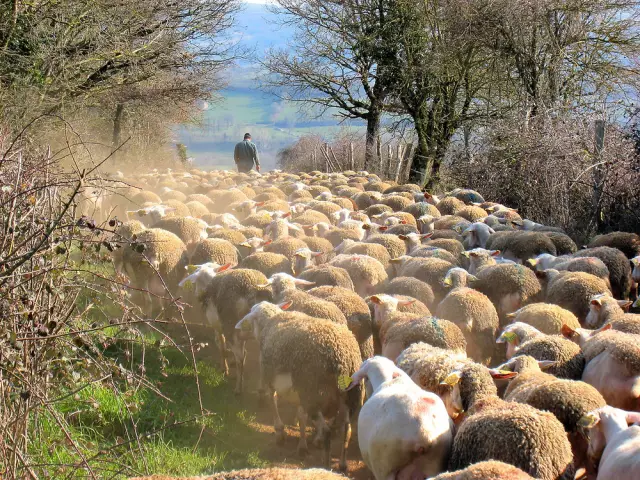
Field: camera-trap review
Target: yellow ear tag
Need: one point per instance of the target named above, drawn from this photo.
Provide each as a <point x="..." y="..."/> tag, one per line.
<point x="191" y="269"/>
<point x="588" y="421"/>
<point x="509" y="337"/>
<point x="452" y="379"/>
<point x="188" y="285"/>
<point x="447" y="281"/>
<point x="344" y="381"/>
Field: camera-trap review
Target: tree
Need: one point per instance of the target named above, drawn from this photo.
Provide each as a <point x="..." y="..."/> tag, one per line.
<point x="334" y="61"/>
<point x="62" y="57"/>
<point x="440" y="71"/>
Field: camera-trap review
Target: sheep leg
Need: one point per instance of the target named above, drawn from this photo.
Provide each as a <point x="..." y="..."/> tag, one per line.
<point x="221" y="342"/>
<point x="303" y="449"/>
<point x="344" y="421"/>
<point x="240" y="354"/>
<point x="323" y="438"/>
<point x="278" y="425"/>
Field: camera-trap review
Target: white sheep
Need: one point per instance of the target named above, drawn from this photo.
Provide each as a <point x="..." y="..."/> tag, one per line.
<point x="403" y="431"/>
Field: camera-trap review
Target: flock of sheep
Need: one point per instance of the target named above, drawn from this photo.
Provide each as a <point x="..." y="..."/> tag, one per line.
<point x="468" y="342"/>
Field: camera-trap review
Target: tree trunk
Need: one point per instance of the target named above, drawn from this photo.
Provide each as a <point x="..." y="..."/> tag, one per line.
<point x="117" y="129"/>
<point x="421" y="164"/>
<point x="371" y="160"/>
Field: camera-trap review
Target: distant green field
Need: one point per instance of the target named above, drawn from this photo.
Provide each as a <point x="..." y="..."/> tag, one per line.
<point x="273" y="124"/>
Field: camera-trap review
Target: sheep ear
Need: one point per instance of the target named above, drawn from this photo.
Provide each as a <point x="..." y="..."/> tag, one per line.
<point x="625" y="304"/>
<point x="286" y="305"/>
<point x="472" y="278"/>
<point x="191" y="268"/>
<point x="532" y="262"/>
<point x="288" y="214"/>
<point x="606" y="327"/>
<point x="495" y="253"/>
<point x="466" y="254"/>
<point x="407" y="302"/>
<point x="260" y="204"/>
<point x="596" y="302"/>
<point x="507" y="337"/>
<point x="632" y="417"/>
<point x="567" y="331"/>
<point x="366" y="226"/>
<point x="306" y="283"/>
<point x="424" y="236"/>
<point x="224" y="267"/>
<point x="502" y="374"/>
<point x="317" y="254"/>
<point x="268" y="242"/>
<point x="546" y="364"/>
<point x="396" y="260"/>
<point x="541" y="274"/>
<point x="446" y="282"/>
<point x="403" y="237"/>
<point x="383" y="228"/>
<point x="245" y="244"/>
<point x="375" y="299"/>
<point x="511" y="315"/>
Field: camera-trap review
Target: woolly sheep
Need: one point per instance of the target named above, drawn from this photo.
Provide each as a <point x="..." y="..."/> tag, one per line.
<point x="474" y="313"/>
<point x="410" y="287"/>
<point x="513" y="433"/>
<point x="488" y="470"/>
<point x="366" y="273"/>
<point x="429" y="270"/>
<point x="267" y="263"/>
<point x="508" y="286"/>
<point x="548" y="318"/>
<point x="259" y="474"/>
<point x="618" y="266"/>
<point x="450" y="206"/>
<point x="394" y="245"/>
<point x="403" y="431"/>
<point x="569" y="361"/>
<point x="310" y="356"/>
<point x="605" y="309"/>
<point x="572" y="290"/>
<point x="328" y="275"/>
<point x="373" y="250"/>
<point x="627" y="243"/>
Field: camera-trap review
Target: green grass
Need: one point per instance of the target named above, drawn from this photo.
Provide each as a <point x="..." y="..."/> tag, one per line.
<point x="101" y="418"/>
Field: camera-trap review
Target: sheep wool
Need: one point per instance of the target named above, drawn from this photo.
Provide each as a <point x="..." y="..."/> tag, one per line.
<point x="568" y="357"/>
<point x="489" y="470"/>
<point x="546" y="317"/>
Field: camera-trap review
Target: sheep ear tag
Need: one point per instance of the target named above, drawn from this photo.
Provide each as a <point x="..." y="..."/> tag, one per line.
<point x="588" y="421"/>
<point x="344" y="381"/>
<point x="245" y="326"/>
<point x="452" y="379"/>
<point x="509" y="337"/>
<point x="191" y="269"/>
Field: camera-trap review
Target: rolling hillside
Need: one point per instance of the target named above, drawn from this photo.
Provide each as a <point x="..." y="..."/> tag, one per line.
<point x="243" y="107"/>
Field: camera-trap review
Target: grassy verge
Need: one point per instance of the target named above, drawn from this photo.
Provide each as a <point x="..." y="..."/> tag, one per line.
<point x="175" y="440"/>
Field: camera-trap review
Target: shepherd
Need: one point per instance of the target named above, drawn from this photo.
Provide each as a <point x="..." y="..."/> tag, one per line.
<point x="246" y="155"/>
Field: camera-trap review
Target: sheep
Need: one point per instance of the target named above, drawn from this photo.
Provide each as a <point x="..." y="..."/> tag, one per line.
<point x="124" y="234"/>
<point x="431" y="330"/>
<point x="472" y="213"/>
<point x="196" y="209"/>
<point x="618" y="266"/>
<point x="612" y="443"/>
<point x="355" y="310"/>
<point x="477" y="235"/>
<point x="627" y="243"/>
<point x="572" y="290"/>
<point x="449" y="222"/>
<point x="480" y="258"/>
<point x="428" y="366"/>
<point x="488" y="470"/>
<point x="508" y="286"/>
<point x="373" y="250"/>
<point x="157" y="259"/>
<point x="568" y="400"/>
<point x="287" y="246"/>
<point x="411" y="287"/>
<point x="151" y="215"/>
<point x="226" y="296"/>
<point x="604" y="309"/>
<point x="328" y="275"/>
<point x="591" y="265"/>
<point x="267" y="263"/>
<point x="285" y="290"/>
<point x="429" y="270"/>
<point x="421" y="209"/>
<point x="450" y="206"/>
<point x="233" y="236"/>
<point x="473" y="312"/>
<point x="612" y="366"/>
<point x="548" y="318"/>
<point x="516" y="334"/>
<point x="311" y="217"/>
<point x="214" y="250"/>
<point x="190" y="230"/>
<point x="305" y="258"/>
<point x="366" y="273"/>
<point x="513" y="433"/>
<point x="522" y="246"/>
<point x="569" y="361"/>
<point x="394" y="245"/>
<point x="310" y="356"/>
<point x="564" y="244"/>
<point x="403" y="431"/>
<point x="258" y="474"/>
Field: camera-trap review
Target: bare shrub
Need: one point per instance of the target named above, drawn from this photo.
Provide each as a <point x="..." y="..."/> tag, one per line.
<point x="546" y="171"/>
<point x="62" y="309"/>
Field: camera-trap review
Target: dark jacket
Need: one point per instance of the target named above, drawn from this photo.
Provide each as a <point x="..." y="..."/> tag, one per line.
<point x="246" y="155"/>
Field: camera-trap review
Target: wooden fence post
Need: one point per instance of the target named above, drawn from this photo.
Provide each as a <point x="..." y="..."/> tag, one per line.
<point x="352" y="160"/>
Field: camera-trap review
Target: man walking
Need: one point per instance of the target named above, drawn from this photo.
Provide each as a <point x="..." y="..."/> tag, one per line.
<point x="246" y="155"/>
